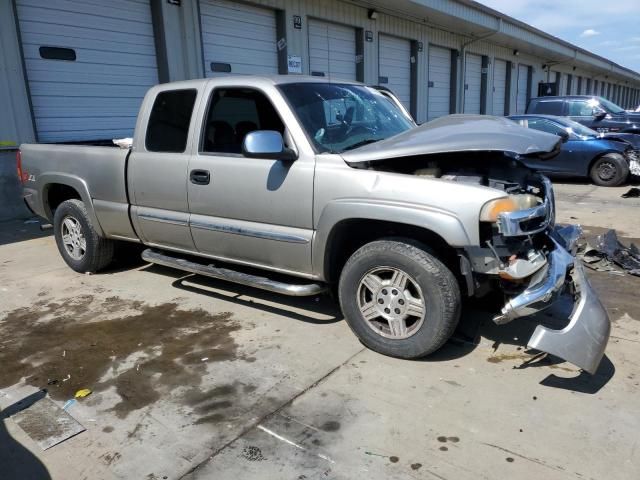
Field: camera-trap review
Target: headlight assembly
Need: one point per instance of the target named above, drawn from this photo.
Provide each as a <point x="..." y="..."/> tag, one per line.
<point x="491" y="210"/>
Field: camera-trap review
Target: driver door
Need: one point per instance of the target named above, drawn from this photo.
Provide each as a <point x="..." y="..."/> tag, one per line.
<point x="254" y="211"/>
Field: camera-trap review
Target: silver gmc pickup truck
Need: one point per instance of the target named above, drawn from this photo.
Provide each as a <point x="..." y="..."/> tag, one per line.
<point x="301" y="185"/>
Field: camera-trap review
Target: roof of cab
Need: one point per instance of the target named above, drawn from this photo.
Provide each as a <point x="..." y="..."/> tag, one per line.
<point x="252" y="80"/>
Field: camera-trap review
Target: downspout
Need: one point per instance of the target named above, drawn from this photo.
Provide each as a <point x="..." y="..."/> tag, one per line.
<point x="463" y="69"/>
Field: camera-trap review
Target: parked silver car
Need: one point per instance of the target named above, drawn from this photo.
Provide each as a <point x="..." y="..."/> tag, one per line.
<point x="332" y="186"/>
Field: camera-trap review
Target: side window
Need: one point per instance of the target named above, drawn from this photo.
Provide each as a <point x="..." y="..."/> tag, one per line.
<point x="168" y="127"/>
<point x="233" y="113"/>
<point x="553" y="107"/>
<point x="545" y="126"/>
<point x="581" y="109"/>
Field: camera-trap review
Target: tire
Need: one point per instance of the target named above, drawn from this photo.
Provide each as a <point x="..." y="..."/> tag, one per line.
<point x="609" y="170"/>
<point x="85" y="251"/>
<point x="427" y="278"/>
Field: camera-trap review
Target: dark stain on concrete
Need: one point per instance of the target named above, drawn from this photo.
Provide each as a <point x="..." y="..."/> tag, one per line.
<point x="509" y="459"/>
<point x="107" y="429"/>
<point x="49" y="342"/>
<point x="416" y="466"/>
<point x="394" y="459"/>
<point x="443" y="448"/>
<point x="252" y="454"/>
<point x="330" y="426"/>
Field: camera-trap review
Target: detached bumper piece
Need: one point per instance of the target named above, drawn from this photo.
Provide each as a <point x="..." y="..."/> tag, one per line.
<point x="583" y="341"/>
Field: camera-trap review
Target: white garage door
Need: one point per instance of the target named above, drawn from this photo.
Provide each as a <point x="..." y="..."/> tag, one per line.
<point x="521" y="90"/>
<point x="88" y="66"/>
<point x="238" y="38"/>
<point x="472" y="83"/>
<point x="499" y="86"/>
<point x="562" y="87"/>
<point x="439" y="82"/>
<point x="332" y="50"/>
<point x="394" y="67"/>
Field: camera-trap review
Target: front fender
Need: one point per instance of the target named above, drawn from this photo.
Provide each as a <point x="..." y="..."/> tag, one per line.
<point x="441" y="222"/>
<point x="45" y="180"/>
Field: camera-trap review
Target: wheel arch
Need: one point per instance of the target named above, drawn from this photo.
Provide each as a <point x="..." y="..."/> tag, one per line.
<point x="56" y="188"/>
<point x="349" y="234"/>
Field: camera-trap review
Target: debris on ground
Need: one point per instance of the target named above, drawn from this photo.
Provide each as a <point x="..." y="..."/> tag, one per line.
<point x="633" y="192"/>
<point x="609" y="252"/>
<point x="85" y="392"/>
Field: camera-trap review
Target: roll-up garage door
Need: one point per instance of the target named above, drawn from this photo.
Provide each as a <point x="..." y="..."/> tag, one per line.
<point x="499" y="86"/>
<point x="238" y="38"/>
<point x="394" y="66"/>
<point x="472" y="83"/>
<point x="521" y="91"/>
<point x="88" y="66"/>
<point x="332" y="50"/>
<point x="562" y="84"/>
<point x="439" y="101"/>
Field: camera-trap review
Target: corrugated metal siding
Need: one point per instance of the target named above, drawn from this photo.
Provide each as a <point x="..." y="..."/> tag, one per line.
<point x="97" y="96"/>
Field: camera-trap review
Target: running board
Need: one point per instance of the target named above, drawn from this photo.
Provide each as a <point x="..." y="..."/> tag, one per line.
<point x="294" y="290"/>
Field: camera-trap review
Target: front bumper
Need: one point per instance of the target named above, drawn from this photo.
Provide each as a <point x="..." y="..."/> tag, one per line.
<point x="583" y="341"/>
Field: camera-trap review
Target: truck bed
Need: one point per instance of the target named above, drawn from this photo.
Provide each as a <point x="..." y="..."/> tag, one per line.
<point x="96" y="169"/>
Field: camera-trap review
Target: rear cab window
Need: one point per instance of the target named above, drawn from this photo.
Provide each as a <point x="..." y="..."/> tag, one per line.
<point x="547" y="107"/>
<point x="168" y="127"/>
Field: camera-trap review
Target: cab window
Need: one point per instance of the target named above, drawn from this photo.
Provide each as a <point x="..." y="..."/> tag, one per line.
<point x="233" y="113"/>
<point x="581" y="108"/>
<point x="168" y="127"/>
<point x="548" y="107"/>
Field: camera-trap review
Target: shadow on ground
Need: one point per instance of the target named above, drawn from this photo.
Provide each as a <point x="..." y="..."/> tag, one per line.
<point x="16" y="461"/>
<point x="14" y="231"/>
<point x="476" y="323"/>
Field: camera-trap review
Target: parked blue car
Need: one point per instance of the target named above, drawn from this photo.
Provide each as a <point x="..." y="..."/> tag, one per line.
<point x="585" y="152"/>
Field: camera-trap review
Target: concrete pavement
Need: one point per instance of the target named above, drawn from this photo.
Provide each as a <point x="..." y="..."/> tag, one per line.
<point x="198" y="379"/>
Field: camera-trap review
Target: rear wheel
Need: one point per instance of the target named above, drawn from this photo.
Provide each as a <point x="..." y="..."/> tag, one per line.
<point x="399" y="299"/>
<point x="78" y="242"/>
<point x="609" y="170"/>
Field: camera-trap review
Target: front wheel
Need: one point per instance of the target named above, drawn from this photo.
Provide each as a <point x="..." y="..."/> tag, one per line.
<point x="609" y="170"/>
<point x="399" y="299"/>
<point x="78" y="242"/>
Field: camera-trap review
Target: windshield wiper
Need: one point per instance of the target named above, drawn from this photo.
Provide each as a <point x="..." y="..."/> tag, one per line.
<point x="361" y="143"/>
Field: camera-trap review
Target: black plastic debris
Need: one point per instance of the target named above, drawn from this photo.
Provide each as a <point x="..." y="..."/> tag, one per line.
<point x="626" y="257"/>
<point x="633" y="192"/>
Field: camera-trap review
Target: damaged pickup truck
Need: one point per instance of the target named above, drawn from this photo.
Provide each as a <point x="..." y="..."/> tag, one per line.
<point x="301" y="186"/>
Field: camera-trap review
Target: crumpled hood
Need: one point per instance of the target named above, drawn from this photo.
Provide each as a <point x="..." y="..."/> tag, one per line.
<point x="631" y="138"/>
<point x="458" y="133"/>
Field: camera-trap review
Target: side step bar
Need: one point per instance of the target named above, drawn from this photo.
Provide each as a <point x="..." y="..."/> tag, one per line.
<point x="295" y="290"/>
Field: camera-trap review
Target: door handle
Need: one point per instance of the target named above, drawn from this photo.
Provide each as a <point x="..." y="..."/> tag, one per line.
<point x="200" y="177"/>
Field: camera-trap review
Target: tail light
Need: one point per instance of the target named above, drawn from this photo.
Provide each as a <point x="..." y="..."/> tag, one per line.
<point x="22" y="175"/>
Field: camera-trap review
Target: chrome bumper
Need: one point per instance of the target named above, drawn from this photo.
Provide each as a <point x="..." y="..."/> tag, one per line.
<point x="583" y="341"/>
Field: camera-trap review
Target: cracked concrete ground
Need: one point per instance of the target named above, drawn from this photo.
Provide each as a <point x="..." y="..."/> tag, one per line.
<point x="198" y="379"/>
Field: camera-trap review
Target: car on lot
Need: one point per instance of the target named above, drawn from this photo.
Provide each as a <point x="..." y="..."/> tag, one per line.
<point x="584" y="152"/>
<point x="300" y="186"/>
<point x="594" y="112"/>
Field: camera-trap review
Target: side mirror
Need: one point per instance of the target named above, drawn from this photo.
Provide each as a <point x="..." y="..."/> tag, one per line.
<point x="564" y="136"/>
<point x="599" y="114"/>
<point x="266" y="144"/>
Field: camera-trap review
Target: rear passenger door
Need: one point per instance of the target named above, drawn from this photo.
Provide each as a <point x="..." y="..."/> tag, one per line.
<point x="255" y="211"/>
<point x="157" y="171"/>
